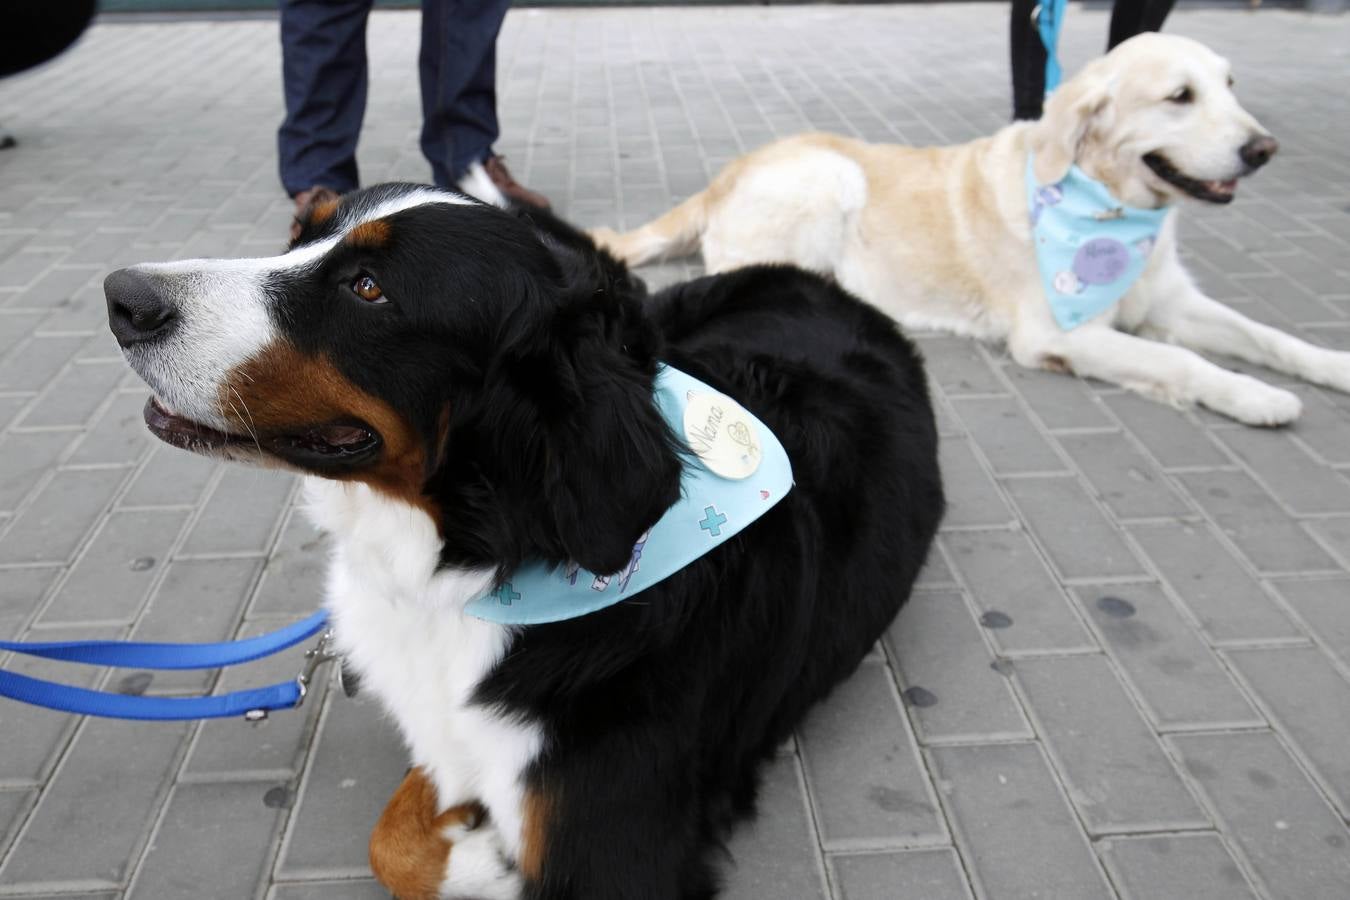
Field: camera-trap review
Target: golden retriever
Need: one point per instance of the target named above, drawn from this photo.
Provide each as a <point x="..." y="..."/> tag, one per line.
<point x="940" y="237"/>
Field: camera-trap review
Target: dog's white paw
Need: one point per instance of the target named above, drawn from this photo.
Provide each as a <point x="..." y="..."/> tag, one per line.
<point x="478" y="868"/>
<point x="1254" y="402"/>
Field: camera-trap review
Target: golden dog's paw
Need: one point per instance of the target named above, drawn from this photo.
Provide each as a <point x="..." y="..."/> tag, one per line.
<point x="1262" y="405"/>
<point x="412" y="844"/>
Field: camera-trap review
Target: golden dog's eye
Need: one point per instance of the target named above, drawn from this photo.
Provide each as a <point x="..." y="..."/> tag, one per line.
<point x="366" y="288"/>
<point x="1181" y="95"/>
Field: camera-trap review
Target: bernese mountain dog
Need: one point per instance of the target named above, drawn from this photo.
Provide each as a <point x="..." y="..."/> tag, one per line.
<point x="470" y="390"/>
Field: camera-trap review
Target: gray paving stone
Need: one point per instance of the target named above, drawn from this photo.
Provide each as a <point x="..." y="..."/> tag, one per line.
<point x="116" y="571"/>
<point x="1229" y="603"/>
<point x="958" y="367"/>
<point x="1007" y="809"/>
<point x="1177" y="678"/>
<point x="863" y="729"/>
<point x="1059" y="402"/>
<point x="356" y="766"/>
<point x="14" y="807"/>
<point x="73" y="396"/>
<point x="32" y="366"/>
<point x="117" y="436"/>
<point x="1322" y="604"/>
<point x="294" y="578"/>
<point x="1324" y="426"/>
<point x="59" y="516"/>
<point x="1288" y="471"/>
<point x="1334" y="534"/>
<point x="1307" y="700"/>
<point x="1169" y="435"/>
<point x="1193" y="866"/>
<point x="233" y="820"/>
<point x="21" y="590"/>
<point x="27" y="457"/>
<point x="951" y="686"/>
<point x="1280" y="823"/>
<point x="105" y="817"/>
<point x="367" y="889"/>
<point x="242" y="513"/>
<point x="1080" y="540"/>
<point x="1264" y="533"/>
<point x="776" y="855"/>
<point x="1116" y="773"/>
<point x="1006" y="435"/>
<point x="171" y="477"/>
<point x="1128" y="483"/>
<point x="10" y="407"/>
<point x="1006" y="576"/>
<point x="200" y="600"/>
<point x="973" y="499"/>
<point x="926" y="874"/>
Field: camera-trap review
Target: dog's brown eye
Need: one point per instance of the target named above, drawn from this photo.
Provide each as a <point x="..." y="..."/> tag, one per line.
<point x="1230" y="81"/>
<point x="1182" y="95"/>
<point x="365" y="287"/>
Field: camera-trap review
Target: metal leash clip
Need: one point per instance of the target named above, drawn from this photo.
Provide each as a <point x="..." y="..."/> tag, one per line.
<point x="315" y="657"/>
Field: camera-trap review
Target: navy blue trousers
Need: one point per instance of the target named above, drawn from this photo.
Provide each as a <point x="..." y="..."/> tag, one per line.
<point x="323" y="46"/>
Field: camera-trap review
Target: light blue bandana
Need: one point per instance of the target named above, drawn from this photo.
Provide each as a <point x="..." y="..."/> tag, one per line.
<point x="736" y="471"/>
<point x="1090" y="247"/>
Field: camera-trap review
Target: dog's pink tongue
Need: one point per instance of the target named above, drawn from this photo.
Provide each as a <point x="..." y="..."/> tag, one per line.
<point x="1222" y="187"/>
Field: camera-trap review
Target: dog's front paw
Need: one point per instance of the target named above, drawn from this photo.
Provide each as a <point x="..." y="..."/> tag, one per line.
<point x="478" y="868"/>
<point x="1254" y="402"/>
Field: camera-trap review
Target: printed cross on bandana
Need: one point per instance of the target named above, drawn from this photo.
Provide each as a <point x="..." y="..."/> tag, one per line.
<point x="712" y="521"/>
<point x="506" y="595"/>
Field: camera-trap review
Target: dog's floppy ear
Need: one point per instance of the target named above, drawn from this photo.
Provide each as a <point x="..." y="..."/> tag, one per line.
<point x="587" y="444"/>
<point x="612" y="468"/>
<point x="1071" y="113"/>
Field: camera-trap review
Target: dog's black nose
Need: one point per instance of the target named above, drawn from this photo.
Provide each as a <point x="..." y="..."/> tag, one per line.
<point x="137" y="310"/>
<point x="1258" y="151"/>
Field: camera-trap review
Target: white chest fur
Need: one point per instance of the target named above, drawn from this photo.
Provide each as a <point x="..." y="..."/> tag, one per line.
<point x="401" y="624"/>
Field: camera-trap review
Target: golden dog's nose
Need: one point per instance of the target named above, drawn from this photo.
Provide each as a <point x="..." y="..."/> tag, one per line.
<point x="1258" y="151"/>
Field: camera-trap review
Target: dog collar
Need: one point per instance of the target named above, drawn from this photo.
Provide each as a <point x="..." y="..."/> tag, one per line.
<point x="1090" y="247"/>
<point x="734" y="472"/>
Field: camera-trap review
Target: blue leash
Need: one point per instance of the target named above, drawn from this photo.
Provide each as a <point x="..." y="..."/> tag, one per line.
<point x="1049" y="20"/>
<point x="252" y="704"/>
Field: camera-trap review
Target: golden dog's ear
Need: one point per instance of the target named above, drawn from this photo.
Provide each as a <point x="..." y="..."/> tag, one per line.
<point x="1071" y="113"/>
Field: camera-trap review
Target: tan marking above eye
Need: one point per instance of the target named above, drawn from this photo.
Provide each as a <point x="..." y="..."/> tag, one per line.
<point x="367" y="289"/>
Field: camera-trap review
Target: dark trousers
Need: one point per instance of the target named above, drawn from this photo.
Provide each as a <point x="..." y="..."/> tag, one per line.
<point x="1128" y="18"/>
<point x="323" y="46"/>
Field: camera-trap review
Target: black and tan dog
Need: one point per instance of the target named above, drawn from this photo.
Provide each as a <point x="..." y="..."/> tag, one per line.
<point x="470" y="390"/>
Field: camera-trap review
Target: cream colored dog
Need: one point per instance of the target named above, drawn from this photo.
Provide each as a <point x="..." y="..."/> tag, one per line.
<point x="940" y="237"/>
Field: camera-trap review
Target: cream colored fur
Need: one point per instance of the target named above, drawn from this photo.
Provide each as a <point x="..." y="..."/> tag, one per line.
<point x="939" y="237"/>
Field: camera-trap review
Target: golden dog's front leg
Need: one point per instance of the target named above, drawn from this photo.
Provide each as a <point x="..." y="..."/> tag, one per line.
<point x="420" y="852"/>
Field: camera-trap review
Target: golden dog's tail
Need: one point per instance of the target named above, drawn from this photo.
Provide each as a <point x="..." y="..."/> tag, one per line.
<point x="672" y="235"/>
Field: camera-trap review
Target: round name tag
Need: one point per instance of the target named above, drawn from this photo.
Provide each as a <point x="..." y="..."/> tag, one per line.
<point x="722" y="434"/>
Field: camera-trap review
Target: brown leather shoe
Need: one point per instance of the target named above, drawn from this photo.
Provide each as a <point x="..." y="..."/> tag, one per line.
<point x="495" y="166"/>
<point x="305" y="204"/>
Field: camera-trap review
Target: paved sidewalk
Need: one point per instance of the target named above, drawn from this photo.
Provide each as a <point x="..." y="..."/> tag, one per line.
<point x="1127" y="673"/>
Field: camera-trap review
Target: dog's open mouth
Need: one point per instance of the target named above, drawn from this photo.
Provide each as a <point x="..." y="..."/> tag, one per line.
<point x="1209" y="191"/>
<point x="331" y="446"/>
